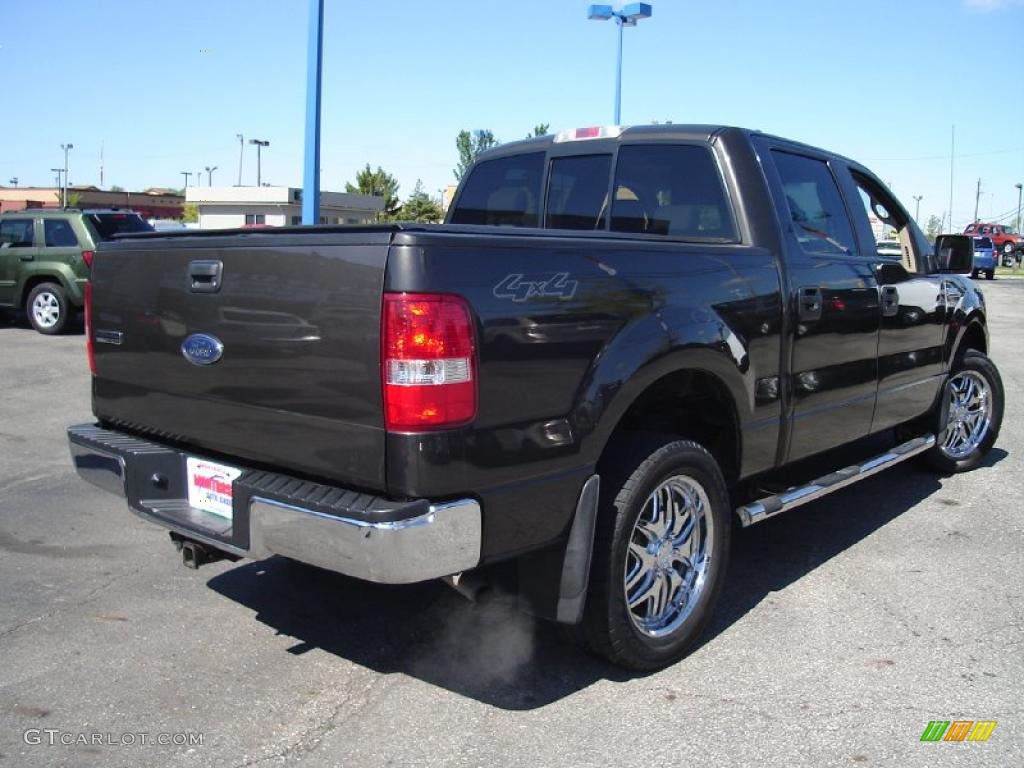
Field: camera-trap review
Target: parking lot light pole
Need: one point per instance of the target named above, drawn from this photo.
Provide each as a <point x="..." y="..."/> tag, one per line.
<point x="627" y="17"/>
<point x="260" y="144"/>
<point x="314" y="69"/>
<point x="186" y="174"/>
<point x="917" y="207"/>
<point x="209" y="175"/>
<point x="67" y="148"/>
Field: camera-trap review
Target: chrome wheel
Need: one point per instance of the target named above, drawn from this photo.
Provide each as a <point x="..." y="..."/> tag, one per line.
<point x="668" y="557"/>
<point x="970" y="414"/>
<point x="46" y="310"/>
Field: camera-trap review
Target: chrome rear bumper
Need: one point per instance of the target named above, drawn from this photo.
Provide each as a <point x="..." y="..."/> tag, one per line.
<point x="367" y="537"/>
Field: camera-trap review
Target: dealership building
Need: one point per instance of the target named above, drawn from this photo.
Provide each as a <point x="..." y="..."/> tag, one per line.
<point x="150" y="204"/>
<point x="231" y="207"/>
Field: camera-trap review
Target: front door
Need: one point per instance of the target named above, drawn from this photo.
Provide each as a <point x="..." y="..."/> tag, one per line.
<point x="834" y="305"/>
<point x="17" y="245"/>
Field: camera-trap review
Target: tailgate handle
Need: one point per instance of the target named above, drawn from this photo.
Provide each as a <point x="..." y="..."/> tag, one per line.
<point x="205" y="276"/>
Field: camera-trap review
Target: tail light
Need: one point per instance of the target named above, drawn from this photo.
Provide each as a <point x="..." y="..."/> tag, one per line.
<point x="87" y="258"/>
<point x="90" y="353"/>
<point x="428" y="362"/>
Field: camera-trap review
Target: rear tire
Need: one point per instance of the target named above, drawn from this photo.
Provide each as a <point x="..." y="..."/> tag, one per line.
<point x="660" y="553"/>
<point x="974" y="274"/>
<point x="47" y="308"/>
<point x="975" y="399"/>
<point x="990" y="275"/>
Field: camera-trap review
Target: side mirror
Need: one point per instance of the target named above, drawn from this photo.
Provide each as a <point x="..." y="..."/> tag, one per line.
<point x="955" y="253"/>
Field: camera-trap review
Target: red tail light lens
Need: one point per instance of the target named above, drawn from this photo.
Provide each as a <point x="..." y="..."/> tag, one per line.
<point x="428" y="362"/>
<point x="90" y="353"/>
<point x="87" y="258"/>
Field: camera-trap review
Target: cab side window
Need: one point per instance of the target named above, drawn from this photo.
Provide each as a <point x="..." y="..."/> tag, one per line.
<point x="16" y="233"/>
<point x="59" y="234"/>
<point x="820" y="221"/>
<point x="889" y="224"/>
<point x="671" y="190"/>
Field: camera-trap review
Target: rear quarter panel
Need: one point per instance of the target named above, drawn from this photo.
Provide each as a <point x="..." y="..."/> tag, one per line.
<point x="571" y="330"/>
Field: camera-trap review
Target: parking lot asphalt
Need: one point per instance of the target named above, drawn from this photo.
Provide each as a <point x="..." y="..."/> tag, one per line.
<point x="845" y="627"/>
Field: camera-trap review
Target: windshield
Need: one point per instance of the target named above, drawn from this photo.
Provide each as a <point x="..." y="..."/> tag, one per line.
<point x="109" y="224"/>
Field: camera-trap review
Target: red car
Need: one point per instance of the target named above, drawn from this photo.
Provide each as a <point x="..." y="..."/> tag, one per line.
<point x="1003" y="236"/>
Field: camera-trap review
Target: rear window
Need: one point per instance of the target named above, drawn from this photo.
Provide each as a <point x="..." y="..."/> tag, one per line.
<point x="671" y="190"/>
<point x="578" y="192"/>
<point x="505" y="191"/>
<point x="982" y="242"/>
<point x="109" y="224"/>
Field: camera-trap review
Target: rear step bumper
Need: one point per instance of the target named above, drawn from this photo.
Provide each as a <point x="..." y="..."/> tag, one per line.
<point x="356" y="534"/>
<point x="770" y="506"/>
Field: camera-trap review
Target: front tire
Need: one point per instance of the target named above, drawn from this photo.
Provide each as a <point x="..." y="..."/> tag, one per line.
<point x="975" y="400"/>
<point x="660" y="553"/>
<point x="47" y="308"/>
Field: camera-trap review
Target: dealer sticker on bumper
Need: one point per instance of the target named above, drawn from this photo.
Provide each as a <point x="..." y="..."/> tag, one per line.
<point x="209" y="486"/>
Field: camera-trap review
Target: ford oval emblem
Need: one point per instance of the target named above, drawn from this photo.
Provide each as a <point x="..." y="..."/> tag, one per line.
<point x="202" y="349"/>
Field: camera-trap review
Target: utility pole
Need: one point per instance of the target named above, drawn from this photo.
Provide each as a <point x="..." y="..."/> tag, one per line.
<point x="917" y="207"/>
<point x="977" y="197"/>
<point x="67" y="148"/>
<point x="1018" y="185"/>
<point x="241" y="152"/>
<point x="60" y="187"/>
<point x="209" y="175"/>
<point x="260" y="144"/>
<point x="952" y="154"/>
<point x="186" y="174"/>
<point x="101" y="165"/>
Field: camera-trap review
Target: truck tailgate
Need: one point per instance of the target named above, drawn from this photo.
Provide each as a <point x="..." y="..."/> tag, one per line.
<point x="298" y="315"/>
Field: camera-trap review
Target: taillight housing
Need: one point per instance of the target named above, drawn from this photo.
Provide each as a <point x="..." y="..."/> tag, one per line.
<point x="87" y="258"/>
<point x="89" y="351"/>
<point x="428" y="362"/>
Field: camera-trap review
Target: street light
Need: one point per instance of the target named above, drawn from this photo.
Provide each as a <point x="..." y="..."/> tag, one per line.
<point x="1018" y="185"/>
<point x="260" y="144"/>
<point x="917" y="208"/>
<point x="209" y="175"/>
<point x="60" y="187"/>
<point x="186" y="174"/>
<point x="241" y="152"/>
<point x="627" y="17"/>
<point x="67" y="148"/>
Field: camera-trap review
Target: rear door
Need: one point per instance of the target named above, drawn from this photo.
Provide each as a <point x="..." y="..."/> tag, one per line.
<point x="835" y="303"/>
<point x="297" y="385"/>
<point x="17" y="246"/>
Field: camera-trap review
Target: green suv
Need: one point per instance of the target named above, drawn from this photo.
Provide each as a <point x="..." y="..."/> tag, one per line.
<point x="45" y="257"/>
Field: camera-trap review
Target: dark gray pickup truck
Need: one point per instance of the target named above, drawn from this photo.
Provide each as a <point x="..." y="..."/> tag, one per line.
<point x="621" y="342"/>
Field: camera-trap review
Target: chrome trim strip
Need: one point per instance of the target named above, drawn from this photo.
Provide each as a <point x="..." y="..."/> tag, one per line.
<point x="101" y="336"/>
<point x="443" y="541"/>
<point x="770" y="506"/>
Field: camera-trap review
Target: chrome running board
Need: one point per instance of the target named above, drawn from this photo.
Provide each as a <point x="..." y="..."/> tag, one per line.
<point x="770" y="506"/>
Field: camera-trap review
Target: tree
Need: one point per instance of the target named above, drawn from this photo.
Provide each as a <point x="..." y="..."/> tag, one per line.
<point x="540" y="129"/>
<point x="934" y="227"/>
<point x="74" y="198"/>
<point x="469" y="146"/>
<point x="378" y="183"/>
<point x="421" y="207"/>
<point x="116" y="188"/>
<point x="190" y="212"/>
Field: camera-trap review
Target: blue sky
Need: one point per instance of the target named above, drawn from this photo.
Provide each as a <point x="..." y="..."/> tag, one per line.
<point x="166" y="86"/>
